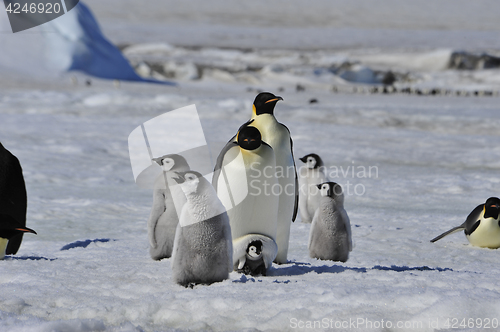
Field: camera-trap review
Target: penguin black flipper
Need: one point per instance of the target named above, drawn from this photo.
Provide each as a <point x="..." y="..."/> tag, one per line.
<point x="451" y="231"/>
<point x="230" y="144"/>
<point x="470" y="224"/>
<point x="13" y="198"/>
<point x="9" y="227"/>
<point x="296" y="205"/>
<point x="473" y="219"/>
<point x="220" y="159"/>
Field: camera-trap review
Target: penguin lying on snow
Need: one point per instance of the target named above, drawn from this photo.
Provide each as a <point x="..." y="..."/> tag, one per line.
<point x="13" y="203"/>
<point x="203" y="249"/>
<point x="310" y="175"/>
<point x="244" y="179"/>
<point x="10" y="228"/>
<point x="330" y="234"/>
<point x="168" y="199"/>
<point x="481" y="227"/>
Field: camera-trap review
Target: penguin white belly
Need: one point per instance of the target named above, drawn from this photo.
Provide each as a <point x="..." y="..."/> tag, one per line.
<point x="309" y="192"/>
<point x="3" y="246"/>
<point x="286" y="206"/>
<point x="278" y="137"/>
<point x="486" y="235"/>
<point x="245" y="188"/>
<point x="314" y="194"/>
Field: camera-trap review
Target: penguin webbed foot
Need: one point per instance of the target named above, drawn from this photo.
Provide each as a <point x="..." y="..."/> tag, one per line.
<point x="191" y="285"/>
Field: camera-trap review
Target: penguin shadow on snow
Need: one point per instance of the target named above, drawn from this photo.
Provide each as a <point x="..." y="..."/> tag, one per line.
<point x="30" y="258"/>
<point x="83" y="244"/>
<point x="299" y="268"/>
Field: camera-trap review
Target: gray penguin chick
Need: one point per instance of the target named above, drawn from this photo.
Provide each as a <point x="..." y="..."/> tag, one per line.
<point x="203" y="246"/>
<point x="330" y="235"/>
<point x="168" y="199"/>
<point x="310" y="175"/>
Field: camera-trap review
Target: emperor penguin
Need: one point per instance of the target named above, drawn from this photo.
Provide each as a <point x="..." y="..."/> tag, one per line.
<point x="278" y="137"/>
<point x="310" y="175"/>
<point x="203" y="249"/>
<point x="10" y="228"/>
<point x="13" y="198"/>
<point x="245" y="181"/>
<point x="481" y="227"/>
<point x="330" y="234"/>
<point x="168" y="199"/>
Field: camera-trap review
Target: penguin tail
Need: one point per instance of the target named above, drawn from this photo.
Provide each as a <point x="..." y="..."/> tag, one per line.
<point x="451" y="231"/>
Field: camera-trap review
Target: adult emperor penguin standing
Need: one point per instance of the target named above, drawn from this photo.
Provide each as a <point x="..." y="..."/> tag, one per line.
<point x="278" y="137"/>
<point x="481" y="227"/>
<point x="310" y="175"/>
<point x="168" y="199"/>
<point x="202" y="248"/>
<point x="330" y="234"/>
<point x="243" y="178"/>
<point x="13" y="202"/>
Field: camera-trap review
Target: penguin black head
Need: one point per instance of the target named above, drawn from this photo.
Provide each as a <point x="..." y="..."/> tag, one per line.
<point x="312" y="160"/>
<point x="171" y="162"/>
<point x="264" y="103"/>
<point x="187" y="176"/>
<point x="189" y="181"/>
<point x="254" y="249"/>
<point x="492" y="208"/>
<point x="9" y="227"/>
<point x="249" y="138"/>
<point x="330" y="189"/>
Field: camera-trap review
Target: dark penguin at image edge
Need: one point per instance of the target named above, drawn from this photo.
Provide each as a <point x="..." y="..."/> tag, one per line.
<point x="13" y="204"/>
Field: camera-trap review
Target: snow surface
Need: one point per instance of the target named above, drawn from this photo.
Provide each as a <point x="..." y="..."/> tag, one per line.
<point x="432" y="158"/>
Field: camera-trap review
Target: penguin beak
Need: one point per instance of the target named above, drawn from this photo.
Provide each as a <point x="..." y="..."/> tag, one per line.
<point x="319" y="186"/>
<point x="179" y="179"/>
<point x="25" y="230"/>
<point x="274" y="99"/>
